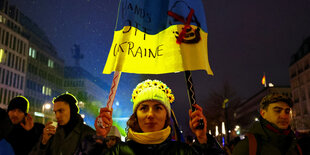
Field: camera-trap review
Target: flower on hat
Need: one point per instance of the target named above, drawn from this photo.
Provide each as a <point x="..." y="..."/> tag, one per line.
<point x="153" y="84"/>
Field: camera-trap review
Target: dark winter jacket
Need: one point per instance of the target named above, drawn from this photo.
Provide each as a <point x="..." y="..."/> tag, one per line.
<point x="21" y="140"/>
<point x="270" y="140"/>
<point x="59" y="144"/>
<point x="168" y="147"/>
<point x="5" y="124"/>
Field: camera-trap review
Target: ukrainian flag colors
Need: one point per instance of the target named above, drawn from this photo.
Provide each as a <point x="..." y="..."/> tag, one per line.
<point x="159" y="36"/>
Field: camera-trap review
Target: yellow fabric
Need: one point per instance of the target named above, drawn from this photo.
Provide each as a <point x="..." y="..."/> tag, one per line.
<point x="134" y="51"/>
<point x="156" y="137"/>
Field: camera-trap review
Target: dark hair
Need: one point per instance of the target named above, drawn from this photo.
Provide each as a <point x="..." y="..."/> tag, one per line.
<point x="134" y="125"/>
<point x="70" y="99"/>
<point x="273" y="98"/>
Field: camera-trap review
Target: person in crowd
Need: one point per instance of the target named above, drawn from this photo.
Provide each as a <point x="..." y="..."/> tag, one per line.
<point x="113" y="137"/>
<point x="272" y="134"/>
<point x="304" y="142"/>
<point x="24" y="133"/>
<point x="5" y="124"/>
<point x="70" y="131"/>
<point x="148" y="128"/>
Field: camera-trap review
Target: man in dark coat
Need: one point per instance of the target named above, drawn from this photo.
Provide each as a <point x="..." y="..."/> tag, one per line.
<point x="272" y="132"/>
<point x="5" y="124"/>
<point x="71" y="130"/>
<point x="24" y="133"/>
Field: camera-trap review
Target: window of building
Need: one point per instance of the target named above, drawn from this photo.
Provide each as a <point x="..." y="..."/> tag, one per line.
<point x="10" y="40"/>
<point x="9" y="95"/>
<point x="13" y="60"/>
<point x="7" y="78"/>
<point x="3" y="76"/>
<point x="14" y="43"/>
<point x="23" y="66"/>
<point x="32" y="53"/>
<point x="11" y="76"/>
<point x="4" y="96"/>
<point x="7" y="38"/>
<point x="9" y="59"/>
<point x="1" y="89"/>
<point x="50" y="63"/>
<point x="303" y="94"/>
<point x="14" y="80"/>
<point x="2" y="37"/>
<point x="18" y="81"/>
<point x="296" y="97"/>
<point x="18" y="45"/>
<point x="21" y="82"/>
<point x="1" y="19"/>
<point x="2" y="56"/>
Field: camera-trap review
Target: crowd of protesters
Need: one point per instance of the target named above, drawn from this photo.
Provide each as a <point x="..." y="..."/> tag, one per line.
<point x="149" y="128"/>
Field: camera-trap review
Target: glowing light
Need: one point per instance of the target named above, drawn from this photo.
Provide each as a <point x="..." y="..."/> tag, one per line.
<point x="216" y="130"/>
<point x="117" y="103"/>
<point x="256" y="119"/>
<point x="210" y="132"/>
<point x="123" y="139"/>
<point x="223" y="128"/>
<point x="38" y="114"/>
<point x="237" y="127"/>
<point x="47" y="106"/>
<point x="2" y="55"/>
<point x="270" y="85"/>
<point x="83" y="115"/>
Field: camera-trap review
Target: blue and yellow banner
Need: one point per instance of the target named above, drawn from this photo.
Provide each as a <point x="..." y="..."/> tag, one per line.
<point x="159" y="36"/>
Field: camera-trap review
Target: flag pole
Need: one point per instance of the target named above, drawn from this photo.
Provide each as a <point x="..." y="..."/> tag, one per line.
<point x="265" y="80"/>
<point x="191" y="95"/>
<point x="113" y="89"/>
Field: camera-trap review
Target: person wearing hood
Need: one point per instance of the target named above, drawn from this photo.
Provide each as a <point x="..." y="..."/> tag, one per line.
<point x="70" y="131"/>
<point x="113" y="137"/>
<point x="148" y="128"/>
<point x="24" y="133"/>
<point x="272" y="134"/>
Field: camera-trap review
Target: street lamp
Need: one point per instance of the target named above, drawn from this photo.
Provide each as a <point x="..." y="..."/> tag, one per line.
<point x="46" y="106"/>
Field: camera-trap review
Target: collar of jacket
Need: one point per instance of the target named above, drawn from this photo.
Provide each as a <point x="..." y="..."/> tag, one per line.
<point x="274" y="128"/>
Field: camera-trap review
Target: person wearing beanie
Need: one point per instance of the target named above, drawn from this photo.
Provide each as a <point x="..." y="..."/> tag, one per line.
<point x="148" y="128"/>
<point x="70" y="131"/>
<point x="272" y="134"/>
<point x="24" y="133"/>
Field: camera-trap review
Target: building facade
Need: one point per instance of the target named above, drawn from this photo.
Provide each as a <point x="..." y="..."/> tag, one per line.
<point x="29" y="64"/>
<point x="44" y="77"/>
<point x="13" y="54"/>
<point x="299" y="71"/>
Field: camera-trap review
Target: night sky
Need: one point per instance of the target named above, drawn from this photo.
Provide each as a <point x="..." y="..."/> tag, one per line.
<point x="246" y="39"/>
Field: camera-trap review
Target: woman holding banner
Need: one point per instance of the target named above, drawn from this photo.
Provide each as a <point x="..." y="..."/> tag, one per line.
<point x="149" y="128"/>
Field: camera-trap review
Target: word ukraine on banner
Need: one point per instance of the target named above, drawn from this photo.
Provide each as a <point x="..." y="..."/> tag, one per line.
<point x="157" y="37"/>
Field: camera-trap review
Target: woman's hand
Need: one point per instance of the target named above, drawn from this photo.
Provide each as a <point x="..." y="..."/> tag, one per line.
<point x="104" y="122"/>
<point x="195" y="117"/>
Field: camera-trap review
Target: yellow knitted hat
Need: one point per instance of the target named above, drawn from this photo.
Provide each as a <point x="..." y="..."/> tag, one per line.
<point x="152" y="90"/>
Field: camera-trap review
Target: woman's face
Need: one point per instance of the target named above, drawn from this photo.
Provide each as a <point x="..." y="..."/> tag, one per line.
<point x="151" y="115"/>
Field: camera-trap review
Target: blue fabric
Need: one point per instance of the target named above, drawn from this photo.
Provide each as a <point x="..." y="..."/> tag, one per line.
<point x="151" y="16"/>
<point x="5" y="148"/>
